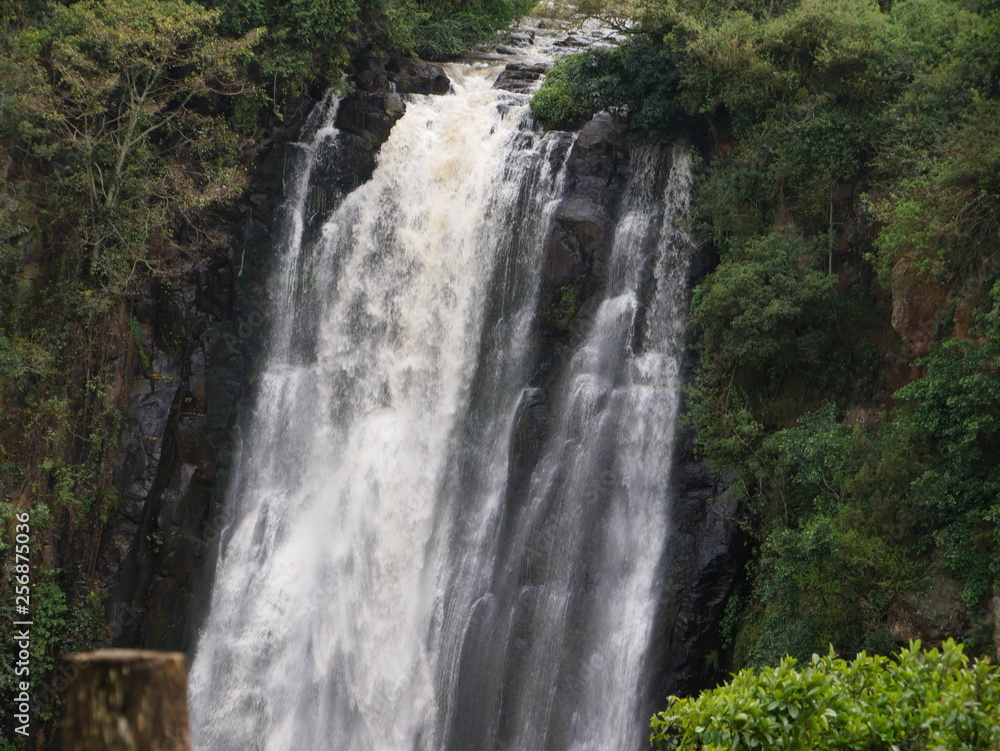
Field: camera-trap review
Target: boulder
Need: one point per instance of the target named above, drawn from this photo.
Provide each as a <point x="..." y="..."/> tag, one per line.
<point x="521" y="78"/>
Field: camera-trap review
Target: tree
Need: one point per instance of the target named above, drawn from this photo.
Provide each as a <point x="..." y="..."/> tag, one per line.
<point x="764" y="308"/>
<point x="300" y="39"/>
<point x="114" y="95"/>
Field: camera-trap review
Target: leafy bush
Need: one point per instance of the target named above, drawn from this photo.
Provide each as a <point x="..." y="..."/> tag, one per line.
<point x="831" y="580"/>
<point x="638" y="78"/>
<point x="563" y="101"/>
<point x="443" y="28"/>
<point x="300" y="37"/>
<point x="944" y="222"/>
<point x="953" y="416"/>
<point x="916" y="700"/>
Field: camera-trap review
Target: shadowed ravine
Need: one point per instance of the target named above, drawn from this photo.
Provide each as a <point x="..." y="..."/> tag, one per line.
<point x="399" y="573"/>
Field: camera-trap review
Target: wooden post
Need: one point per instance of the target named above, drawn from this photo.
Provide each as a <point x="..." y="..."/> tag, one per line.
<point x="126" y="700"/>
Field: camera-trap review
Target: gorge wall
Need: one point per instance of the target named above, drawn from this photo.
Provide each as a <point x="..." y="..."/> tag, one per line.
<point x="128" y="438"/>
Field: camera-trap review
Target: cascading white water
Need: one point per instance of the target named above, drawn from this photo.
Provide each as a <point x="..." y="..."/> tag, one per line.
<point x="552" y="594"/>
<point x="384" y="584"/>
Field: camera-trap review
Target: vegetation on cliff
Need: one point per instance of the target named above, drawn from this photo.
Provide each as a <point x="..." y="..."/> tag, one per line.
<point x="849" y="334"/>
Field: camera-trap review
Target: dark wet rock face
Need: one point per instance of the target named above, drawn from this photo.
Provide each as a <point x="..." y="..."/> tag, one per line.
<point x="174" y="447"/>
<point x="520" y="39"/>
<point x="572" y="41"/>
<point x="580" y="242"/>
<point x="705" y="559"/>
<point x="367" y="115"/>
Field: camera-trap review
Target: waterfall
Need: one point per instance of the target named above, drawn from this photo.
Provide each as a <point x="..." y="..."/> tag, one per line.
<point x="389" y="580"/>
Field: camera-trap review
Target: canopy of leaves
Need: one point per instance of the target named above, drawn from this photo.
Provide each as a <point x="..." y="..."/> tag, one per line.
<point x="765" y="308"/>
<point x="300" y="37"/>
<point x="114" y="95"/>
<point x="443" y="28"/>
<point x="638" y="77"/>
<point x="309" y="41"/>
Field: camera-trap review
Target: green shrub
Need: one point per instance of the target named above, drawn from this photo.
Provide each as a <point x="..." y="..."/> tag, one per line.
<point x="919" y="699"/>
<point x="953" y="417"/>
<point x="113" y="96"/>
<point x="563" y="99"/>
<point x="443" y="28"/>
<point x="638" y="78"/>
<point x="831" y="580"/>
<point x="301" y="38"/>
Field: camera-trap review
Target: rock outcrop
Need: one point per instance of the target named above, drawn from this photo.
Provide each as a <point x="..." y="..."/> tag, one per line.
<point x="705" y="559"/>
<point x="367" y="115"/>
<point x="578" y="248"/>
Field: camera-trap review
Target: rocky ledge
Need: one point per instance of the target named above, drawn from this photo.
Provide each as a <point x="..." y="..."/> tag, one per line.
<point x="521" y="78"/>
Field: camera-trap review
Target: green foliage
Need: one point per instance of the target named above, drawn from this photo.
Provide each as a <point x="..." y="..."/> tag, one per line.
<point x="300" y="37"/>
<point x="638" y="78"/>
<point x="451" y="27"/>
<point x="942" y="39"/>
<point x="831" y="580"/>
<point x="919" y="699"/>
<point x="15" y="223"/>
<point x="800" y="92"/>
<point x="111" y="95"/>
<point x="85" y="624"/>
<point x="831" y="563"/>
<point x="562" y="101"/>
<point x="22" y="358"/>
<point x="817" y="455"/>
<point x="945" y="221"/>
<point x="563" y="310"/>
<point x="48" y="615"/>
<point x="769" y="322"/>
<point x="133" y="327"/>
<point x="953" y="416"/>
<point x="765" y="308"/>
<point x="307" y="42"/>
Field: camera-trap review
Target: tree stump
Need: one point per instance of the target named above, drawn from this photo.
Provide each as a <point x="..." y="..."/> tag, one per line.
<point x="126" y="700"/>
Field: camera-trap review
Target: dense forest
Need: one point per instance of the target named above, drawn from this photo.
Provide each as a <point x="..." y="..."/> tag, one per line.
<point x="847" y="327"/>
